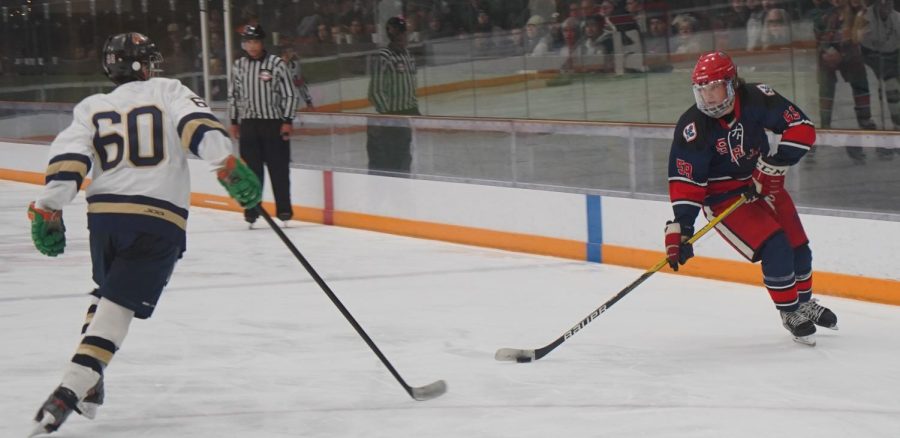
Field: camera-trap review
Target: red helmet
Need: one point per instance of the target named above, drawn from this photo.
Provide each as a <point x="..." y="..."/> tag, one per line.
<point x="714" y="71"/>
<point x="713" y="66"/>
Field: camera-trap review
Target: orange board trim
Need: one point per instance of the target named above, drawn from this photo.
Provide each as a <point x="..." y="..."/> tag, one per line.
<point x="827" y="283"/>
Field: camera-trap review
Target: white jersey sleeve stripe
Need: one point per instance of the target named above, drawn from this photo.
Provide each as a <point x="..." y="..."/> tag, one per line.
<point x="193" y="126"/>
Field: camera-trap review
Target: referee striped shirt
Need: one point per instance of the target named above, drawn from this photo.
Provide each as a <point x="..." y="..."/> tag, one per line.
<point x="393" y="85"/>
<point x="262" y="89"/>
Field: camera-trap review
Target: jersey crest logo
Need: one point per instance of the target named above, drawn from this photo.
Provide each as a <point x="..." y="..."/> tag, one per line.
<point x="690" y="132"/>
<point x="736" y="142"/>
<point x="265" y="75"/>
<point x="767" y="90"/>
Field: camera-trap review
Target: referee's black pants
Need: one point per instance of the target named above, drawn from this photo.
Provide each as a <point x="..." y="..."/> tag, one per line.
<point x="261" y="143"/>
<point x="387" y="143"/>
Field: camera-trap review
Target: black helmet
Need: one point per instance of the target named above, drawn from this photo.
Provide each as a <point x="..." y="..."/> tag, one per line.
<point x="253" y="32"/>
<point x="398" y="23"/>
<point x="130" y="57"/>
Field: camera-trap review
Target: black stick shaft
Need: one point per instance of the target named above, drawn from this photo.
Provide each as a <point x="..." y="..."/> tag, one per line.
<point x="334" y="299"/>
<point x="543" y="351"/>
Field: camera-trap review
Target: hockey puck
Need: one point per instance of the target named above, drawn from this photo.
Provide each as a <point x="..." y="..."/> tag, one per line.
<point x="523" y="359"/>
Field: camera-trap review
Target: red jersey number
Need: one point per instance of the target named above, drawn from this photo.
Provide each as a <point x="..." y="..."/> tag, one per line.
<point x="685" y="169"/>
<point x="791" y="114"/>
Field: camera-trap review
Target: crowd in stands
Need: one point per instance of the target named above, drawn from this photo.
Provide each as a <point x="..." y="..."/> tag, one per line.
<point x="578" y="35"/>
<point x="37" y="36"/>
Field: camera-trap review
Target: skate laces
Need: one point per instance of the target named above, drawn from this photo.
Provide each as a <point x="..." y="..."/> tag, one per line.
<point x="793" y="319"/>
<point x="811" y="309"/>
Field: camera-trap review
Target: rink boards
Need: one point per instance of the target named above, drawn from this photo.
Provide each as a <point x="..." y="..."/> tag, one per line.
<point x="853" y="257"/>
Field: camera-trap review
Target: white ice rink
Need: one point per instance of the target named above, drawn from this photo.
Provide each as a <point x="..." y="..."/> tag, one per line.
<point x="245" y="344"/>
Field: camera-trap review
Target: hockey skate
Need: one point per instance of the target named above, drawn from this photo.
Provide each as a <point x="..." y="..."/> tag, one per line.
<point x="92" y="401"/>
<point x="819" y="315"/>
<point x="54" y="411"/>
<point x="800" y="326"/>
<point x="250" y="218"/>
<point x="284" y="217"/>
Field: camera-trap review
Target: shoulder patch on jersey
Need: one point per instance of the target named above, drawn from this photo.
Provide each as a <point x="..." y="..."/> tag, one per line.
<point x="690" y="132"/>
<point x="767" y="90"/>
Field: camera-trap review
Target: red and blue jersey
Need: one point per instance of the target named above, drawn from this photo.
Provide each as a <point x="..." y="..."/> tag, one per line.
<point x="713" y="159"/>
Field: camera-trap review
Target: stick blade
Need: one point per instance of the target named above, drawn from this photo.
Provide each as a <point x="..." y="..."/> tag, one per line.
<point x="514" y="355"/>
<point x="429" y="391"/>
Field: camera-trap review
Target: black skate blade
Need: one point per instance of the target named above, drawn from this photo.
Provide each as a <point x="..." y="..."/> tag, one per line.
<point x="806" y="340"/>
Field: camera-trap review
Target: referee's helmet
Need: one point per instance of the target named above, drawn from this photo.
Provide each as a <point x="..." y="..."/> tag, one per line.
<point x="253" y="32"/>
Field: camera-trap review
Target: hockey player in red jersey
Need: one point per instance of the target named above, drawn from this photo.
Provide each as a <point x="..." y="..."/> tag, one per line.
<point x="135" y="141"/>
<point x="720" y="151"/>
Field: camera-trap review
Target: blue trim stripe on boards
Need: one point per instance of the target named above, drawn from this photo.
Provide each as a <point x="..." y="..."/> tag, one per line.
<point x="595" y="229"/>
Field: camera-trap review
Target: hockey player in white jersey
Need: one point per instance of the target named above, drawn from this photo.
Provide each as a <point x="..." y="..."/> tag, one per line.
<point x="135" y="141"/>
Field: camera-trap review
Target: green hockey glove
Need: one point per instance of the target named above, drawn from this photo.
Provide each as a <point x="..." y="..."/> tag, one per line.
<point x="240" y="182"/>
<point x="47" y="230"/>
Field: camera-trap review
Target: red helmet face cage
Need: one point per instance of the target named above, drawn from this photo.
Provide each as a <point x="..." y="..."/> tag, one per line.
<point x="713" y="66"/>
<point x="713" y="70"/>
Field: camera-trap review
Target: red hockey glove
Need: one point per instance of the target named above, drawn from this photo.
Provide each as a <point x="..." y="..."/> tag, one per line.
<point x="768" y="179"/>
<point x="678" y="251"/>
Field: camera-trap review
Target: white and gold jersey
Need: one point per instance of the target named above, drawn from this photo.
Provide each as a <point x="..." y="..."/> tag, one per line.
<point x="135" y="141"/>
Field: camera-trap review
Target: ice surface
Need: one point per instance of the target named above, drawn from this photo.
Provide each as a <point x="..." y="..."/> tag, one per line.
<point x="245" y="344"/>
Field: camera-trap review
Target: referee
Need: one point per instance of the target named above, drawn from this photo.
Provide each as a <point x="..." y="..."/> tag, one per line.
<point x="392" y="90"/>
<point x="261" y="104"/>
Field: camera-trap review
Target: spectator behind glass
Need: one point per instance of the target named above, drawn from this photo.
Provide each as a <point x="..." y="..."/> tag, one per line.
<point x="438" y="27"/>
<point x="309" y="23"/>
<point x="570" y="44"/>
<point x="656" y="46"/>
<point x="687" y="40"/>
<point x="483" y="34"/>
<point x="587" y="8"/>
<point x="590" y="49"/>
<point x="635" y="8"/>
<point x="574" y="10"/>
<point x="818" y="8"/>
<point x="542" y="8"/>
<point x="323" y="34"/>
<point x="879" y="37"/>
<point x="840" y="53"/>
<point x="777" y="31"/>
<point x="607" y="9"/>
<point x="322" y="44"/>
<point x="338" y="35"/>
<point x="536" y="41"/>
<point x="357" y="34"/>
<point x="355" y="11"/>
<point x="413" y="32"/>
<point x="191" y="46"/>
<point x="608" y="29"/>
<point x="513" y="44"/>
<point x="754" y="24"/>
<point x="733" y="23"/>
<point x="554" y="33"/>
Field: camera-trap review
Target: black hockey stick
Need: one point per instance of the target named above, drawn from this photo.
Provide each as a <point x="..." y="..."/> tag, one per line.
<point x="520" y="355"/>
<point x="421" y="393"/>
